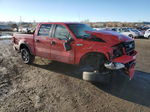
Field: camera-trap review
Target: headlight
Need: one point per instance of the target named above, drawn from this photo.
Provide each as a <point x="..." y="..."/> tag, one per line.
<point x="117" y="52"/>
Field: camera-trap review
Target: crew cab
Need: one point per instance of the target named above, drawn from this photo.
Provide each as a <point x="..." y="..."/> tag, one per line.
<point x="78" y="44"/>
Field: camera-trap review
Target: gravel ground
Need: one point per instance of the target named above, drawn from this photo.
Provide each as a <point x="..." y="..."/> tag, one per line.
<point x="49" y="86"/>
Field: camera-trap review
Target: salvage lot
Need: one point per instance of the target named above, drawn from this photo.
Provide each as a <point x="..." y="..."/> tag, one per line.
<point x="53" y="86"/>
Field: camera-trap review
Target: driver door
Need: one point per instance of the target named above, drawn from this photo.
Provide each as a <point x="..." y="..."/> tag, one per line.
<point x="58" y="51"/>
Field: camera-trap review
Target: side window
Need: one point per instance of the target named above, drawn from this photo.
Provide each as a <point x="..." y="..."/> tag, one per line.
<point x="44" y="30"/>
<point x="61" y="32"/>
<point x="119" y="30"/>
<point x="126" y="30"/>
<point x="113" y="29"/>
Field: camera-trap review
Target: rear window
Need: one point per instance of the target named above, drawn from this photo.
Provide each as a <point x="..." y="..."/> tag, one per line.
<point x="44" y="30"/>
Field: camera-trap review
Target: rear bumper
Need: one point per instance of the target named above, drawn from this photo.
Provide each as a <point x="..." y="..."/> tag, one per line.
<point x="125" y="62"/>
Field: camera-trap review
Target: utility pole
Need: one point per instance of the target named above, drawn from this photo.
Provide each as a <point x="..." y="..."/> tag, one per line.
<point x="20" y="21"/>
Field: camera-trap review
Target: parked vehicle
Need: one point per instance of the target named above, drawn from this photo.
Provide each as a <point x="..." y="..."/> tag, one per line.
<point x="128" y="32"/>
<point x="147" y="34"/>
<point x="143" y="29"/>
<point x="139" y="33"/>
<point x="98" y="29"/>
<point x="79" y="44"/>
<point x="25" y="29"/>
<point x="5" y="28"/>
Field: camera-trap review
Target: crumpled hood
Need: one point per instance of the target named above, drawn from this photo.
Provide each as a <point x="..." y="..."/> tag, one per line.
<point x="111" y="37"/>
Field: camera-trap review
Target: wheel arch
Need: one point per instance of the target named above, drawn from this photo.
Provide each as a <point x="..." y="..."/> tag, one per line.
<point x="24" y="45"/>
<point x="89" y="53"/>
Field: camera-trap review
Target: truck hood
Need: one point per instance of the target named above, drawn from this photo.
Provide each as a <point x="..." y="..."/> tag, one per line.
<point x="111" y="37"/>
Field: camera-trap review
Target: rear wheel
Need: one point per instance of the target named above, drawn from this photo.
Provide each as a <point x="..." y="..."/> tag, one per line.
<point x="26" y="56"/>
<point x="148" y="37"/>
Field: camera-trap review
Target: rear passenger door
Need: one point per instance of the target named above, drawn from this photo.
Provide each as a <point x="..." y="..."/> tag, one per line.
<point x="58" y="51"/>
<point x="43" y="40"/>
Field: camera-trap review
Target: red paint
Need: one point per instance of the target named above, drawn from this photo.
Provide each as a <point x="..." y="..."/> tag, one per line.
<point x="41" y="46"/>
<point x="131" y="71"/>
<point x="125" y="58"/>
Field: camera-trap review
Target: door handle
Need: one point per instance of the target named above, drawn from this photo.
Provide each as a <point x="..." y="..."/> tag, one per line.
<point x="37" y="40"/>
<point x="53" y="42"/>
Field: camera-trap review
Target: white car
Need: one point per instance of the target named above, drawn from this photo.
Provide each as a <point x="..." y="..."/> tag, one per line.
<point x="127" y="31"/>
<point x="139" y="33"/>
<point x="147" y="34"/>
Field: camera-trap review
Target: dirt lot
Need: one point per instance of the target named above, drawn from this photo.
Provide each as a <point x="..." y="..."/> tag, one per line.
<point x="49" y="86"/>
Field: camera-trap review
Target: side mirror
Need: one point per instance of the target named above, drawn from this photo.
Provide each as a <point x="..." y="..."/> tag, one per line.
<point x="67" y="44"/>
<point x="69" y="40"/>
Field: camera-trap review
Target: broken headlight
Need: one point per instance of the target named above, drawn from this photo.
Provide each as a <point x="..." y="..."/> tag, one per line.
<point x="117" y="51"/>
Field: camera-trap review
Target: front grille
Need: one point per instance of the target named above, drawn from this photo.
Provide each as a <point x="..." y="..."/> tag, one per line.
<point x="129" y="47"/>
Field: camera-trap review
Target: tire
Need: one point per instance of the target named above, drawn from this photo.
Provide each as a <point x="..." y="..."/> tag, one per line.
<point x="96" y="77"/>
<point x="26" y="56"/>
<point x="94" y="61"/>
<point x="148" y="37"/>
<point x="93" y="69"/>
<point x="131" y="36"/>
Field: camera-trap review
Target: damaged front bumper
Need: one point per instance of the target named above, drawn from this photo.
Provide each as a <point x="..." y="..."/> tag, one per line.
<point x="114" y="65"/>
<point x="125" y="62"/>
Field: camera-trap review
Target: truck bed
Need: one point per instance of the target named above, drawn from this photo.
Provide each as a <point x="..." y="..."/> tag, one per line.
<point x="27" y="38"/>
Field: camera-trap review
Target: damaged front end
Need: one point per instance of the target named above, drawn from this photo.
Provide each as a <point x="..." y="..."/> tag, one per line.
<point x="124" y="57"/>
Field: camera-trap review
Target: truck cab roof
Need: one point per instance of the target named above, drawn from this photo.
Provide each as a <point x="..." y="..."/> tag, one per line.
<point x="60" y="23"/>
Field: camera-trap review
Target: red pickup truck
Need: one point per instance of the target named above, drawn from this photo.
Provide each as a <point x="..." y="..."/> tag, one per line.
<point x="77" y="43"/>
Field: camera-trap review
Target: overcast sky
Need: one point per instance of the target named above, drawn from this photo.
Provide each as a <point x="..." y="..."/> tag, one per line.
<point x="75" y="10"/>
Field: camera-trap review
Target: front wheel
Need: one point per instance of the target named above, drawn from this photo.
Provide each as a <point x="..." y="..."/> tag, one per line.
<point x="131" y="36"/>
<point x="26" y="56"/>
<point x="95" y="63"/>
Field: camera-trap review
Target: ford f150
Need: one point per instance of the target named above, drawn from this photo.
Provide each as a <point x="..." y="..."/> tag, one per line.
<point x="77" y="43"/>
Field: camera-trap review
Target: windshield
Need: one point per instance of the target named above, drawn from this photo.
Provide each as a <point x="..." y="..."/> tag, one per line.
<point x="79" y="30"/>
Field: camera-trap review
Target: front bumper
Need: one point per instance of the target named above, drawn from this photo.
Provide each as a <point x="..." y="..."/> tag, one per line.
<point x="125" y="62"/>
<point x="114" y="66"/>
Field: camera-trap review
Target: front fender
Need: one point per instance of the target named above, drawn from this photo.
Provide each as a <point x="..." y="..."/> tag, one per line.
<point x="103" y="50"/>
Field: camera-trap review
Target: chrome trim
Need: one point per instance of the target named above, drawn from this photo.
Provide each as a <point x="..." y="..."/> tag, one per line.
<point x="114" y="66"/>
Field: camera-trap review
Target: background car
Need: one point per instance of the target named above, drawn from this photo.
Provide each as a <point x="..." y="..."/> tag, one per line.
<point x="139" y="33"/>
<point x="127" y="31"/>
<point x="147" y="34"/>
<point x="5" y="28"/>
